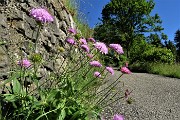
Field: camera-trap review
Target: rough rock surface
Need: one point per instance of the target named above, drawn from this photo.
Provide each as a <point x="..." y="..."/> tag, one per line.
<point x="18" y="29"/>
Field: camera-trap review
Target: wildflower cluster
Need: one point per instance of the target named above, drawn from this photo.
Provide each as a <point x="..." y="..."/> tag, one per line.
<point x="71" y="30"/>
<point x="41" y="15"/>
<point x="70" y="41"/>
<point x="74" y="92"/>
<point x="110" y="70"/>
<point x="101" y="47"/>
<point x="117" y="48"/>
<point x="95" y="64"/>
<point x="24" y="63"/>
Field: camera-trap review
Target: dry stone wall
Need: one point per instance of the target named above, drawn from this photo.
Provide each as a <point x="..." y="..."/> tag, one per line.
<point x="18" y="30"/>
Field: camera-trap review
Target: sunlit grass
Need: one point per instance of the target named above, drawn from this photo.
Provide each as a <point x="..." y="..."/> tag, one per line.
<point x="170" y="70"/>
<point x="79" y="17"/>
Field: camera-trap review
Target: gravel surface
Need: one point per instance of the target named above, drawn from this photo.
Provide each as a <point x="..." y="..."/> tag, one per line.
<point x="155" y="98"/>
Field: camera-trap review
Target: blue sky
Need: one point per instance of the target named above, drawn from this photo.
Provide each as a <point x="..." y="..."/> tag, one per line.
<point x="168" y="10"/>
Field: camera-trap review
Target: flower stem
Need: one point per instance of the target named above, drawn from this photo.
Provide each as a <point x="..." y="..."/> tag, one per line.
<point x="108" y="92"/>
<point x="86" y="85"/>
<point x="111" y="84"/>
<point x="36" y="40"/>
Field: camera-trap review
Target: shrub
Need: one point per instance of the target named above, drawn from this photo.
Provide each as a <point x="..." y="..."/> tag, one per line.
<point x="155" y="54"/>
<point x="141" y="51"/>
<point x="170" y="70"/>
<point x="137" y="50"/>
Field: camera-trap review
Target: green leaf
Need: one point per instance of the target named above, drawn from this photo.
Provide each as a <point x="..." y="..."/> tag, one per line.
<point x="51" y="96"/>
<point x="77" y="114"/>
<point x="62" y="115"/>
<point x="10" y="97"/>
<point x="37" y="105"/>
<point x="46" y="113"/>
<point x="9" y="89"/>
<point x="16" y="86"/>
<point x="14" y="76"/>
<point x="2" y="42"/>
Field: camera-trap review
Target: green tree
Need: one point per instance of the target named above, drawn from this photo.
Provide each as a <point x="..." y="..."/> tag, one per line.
<point x="154" y="39"/>
<point x="123" y="20"/>
<point x="170" y="45"/>
<point x="177" y="39"/>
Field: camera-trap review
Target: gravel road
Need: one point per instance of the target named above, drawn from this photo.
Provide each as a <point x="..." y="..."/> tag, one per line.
<point x="156" y="98"/>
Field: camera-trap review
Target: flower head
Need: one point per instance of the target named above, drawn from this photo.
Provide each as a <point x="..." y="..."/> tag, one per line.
<point x="97" y="74"/>
<point x="92" y="40"/>
<point x="36" y="57"/>
<point x="117" y="48"/>
<point x="41" y="14"/>
<point x="125" y="70"/>
<point x="70" y="41"/>
<point x="95" y="63"/>
<point x="127" y="93"/>
<point x="61" y="49"/>
<point x="90" y="56"/>
<point x="110" y="70"/>
<point x="118" y="117"/>
<point x="24" y="63"/>
<point x="72" y="30"/>
<point x="101" y="47"/>
<point x="85" y="48"/>
<point x="126" y="64"/>
<point x="83" y="41"/>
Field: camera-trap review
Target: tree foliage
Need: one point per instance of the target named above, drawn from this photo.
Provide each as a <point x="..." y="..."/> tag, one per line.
<point x="177" y="39"/>
<point x="158" y="54"/>
<point x="170" y="45"/>
<point x="154" y="39"/>
<point x="123" y="20"/>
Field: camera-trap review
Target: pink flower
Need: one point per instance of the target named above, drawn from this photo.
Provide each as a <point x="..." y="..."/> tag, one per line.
<point x="118" y="117"/>
<point x="83" y="41"/>
<point x="110" y="70"/>
<point x="72" y="30"/>
<point x="97" y="74"/>
<point x="70" y="41"/>
<point x="41" y="15"/>
<point x="95" y="63"/>
<point x="101" y="47"/>
<point x="126" y="64"/>
<point x="92" y="40"/>
<point x="125" y="70"/>
<point x="90" y="56"/>
<point x="102" y="118"/>
<point x="127" y="93"/>
<point x="24" y="63"/>
<point x="85" y="48"/>
<point x="117" y="48"/>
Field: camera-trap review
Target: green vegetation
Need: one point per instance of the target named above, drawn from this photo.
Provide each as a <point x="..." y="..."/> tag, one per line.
<point x="172" y="70"/>
<point x="79" y="18"/>
<point x="169" y="70"/>
<point x="144" y="52"/>
<point x="126" y="22"/>
<point x="123" y="21"/>
<point x="177" y="41"/>
<point x="69" y="89"/>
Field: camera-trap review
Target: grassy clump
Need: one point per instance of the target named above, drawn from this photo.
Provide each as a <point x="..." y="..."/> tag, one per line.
<point x="169" y="70"/>
<point x="79" y="17"/>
